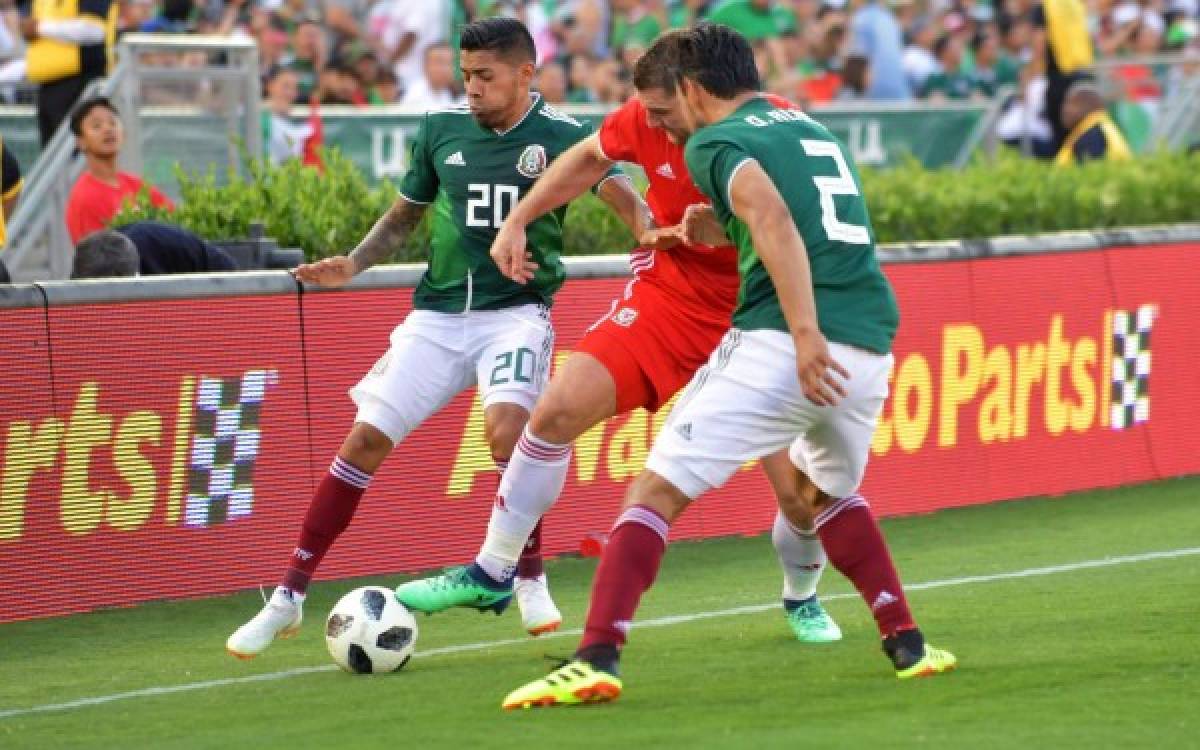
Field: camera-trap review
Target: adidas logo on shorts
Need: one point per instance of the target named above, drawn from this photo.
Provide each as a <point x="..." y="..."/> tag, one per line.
<point x="685" y="430"/>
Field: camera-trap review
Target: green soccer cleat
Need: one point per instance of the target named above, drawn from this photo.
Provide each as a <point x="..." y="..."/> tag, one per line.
<point x="456" y="587"/>
<point x="571" y="684"/>
<point x="934" y="662"/>
<point x="810" y="622"/>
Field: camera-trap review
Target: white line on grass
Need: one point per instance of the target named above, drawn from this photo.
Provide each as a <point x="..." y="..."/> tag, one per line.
<point x="656" y="622"/>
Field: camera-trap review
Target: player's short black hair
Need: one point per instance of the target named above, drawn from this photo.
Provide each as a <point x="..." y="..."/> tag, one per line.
<point x="658" y="67"/>
<point x="105" y="253"/>
<point x="82" y="109"/>
<point x="719" y="59"/>
<point x="507" y="37"/>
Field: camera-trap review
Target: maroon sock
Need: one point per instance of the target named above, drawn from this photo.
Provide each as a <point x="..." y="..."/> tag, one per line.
<point x="329" y="513"/>
<point x="529" y="565"/>
<point x="627" y="568"/>
<point x="855" y="546"/>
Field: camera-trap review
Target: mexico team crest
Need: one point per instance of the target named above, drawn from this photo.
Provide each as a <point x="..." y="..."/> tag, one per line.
<point x="532" y="162"/>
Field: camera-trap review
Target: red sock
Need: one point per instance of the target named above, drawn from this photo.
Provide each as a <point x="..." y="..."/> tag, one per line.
<point x="855" y="546"/>
<point x="627" y="568"/>
<point x="328" y="515"/>
<point x="529" y="565"/>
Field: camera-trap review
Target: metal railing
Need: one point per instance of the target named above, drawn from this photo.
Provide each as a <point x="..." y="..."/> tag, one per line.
<point x="148" y="65"/>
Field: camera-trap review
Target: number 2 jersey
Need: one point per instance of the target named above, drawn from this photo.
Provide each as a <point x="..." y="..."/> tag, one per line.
<point x="473" y="176"/>
<point x="810" y="169"/>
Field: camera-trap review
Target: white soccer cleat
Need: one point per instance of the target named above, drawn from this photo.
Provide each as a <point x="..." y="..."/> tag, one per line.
<point x="538" y="613"/>
<point x="280" y="617"/>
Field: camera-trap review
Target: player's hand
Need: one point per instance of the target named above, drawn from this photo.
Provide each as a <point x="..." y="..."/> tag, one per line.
<point x="700" y="226"/>
<point x="510" y="254"/>
<point x="331" y="272"/>
<point x="818" y="370"/>
<point x="661" y="238"/>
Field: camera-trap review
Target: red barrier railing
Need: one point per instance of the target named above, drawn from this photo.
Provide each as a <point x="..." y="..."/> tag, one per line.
<point x="168" y="449"/>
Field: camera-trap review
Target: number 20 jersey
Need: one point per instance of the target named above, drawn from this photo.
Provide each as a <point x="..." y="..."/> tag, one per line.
<point x="473" y="176"/>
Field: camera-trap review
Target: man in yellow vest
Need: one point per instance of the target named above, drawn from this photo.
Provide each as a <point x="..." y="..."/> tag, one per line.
<point x="70" y="44"/>
<point x="1062" y="48"/>
<point x="1092" y="133"/>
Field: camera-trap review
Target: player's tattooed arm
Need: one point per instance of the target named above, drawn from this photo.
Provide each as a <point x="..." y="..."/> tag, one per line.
<point x="389" y="233"/>
<point x="392" y="229"/>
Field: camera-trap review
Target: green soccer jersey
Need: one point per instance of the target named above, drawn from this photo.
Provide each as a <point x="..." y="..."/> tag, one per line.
<point x="812" y="172"/>
<point x="473" y="176"/>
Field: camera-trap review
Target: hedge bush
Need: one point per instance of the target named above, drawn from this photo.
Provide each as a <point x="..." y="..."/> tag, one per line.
<point x="327" y="213"/>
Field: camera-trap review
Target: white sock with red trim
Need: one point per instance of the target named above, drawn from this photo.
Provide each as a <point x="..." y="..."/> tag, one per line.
<point x="532" y="482"/>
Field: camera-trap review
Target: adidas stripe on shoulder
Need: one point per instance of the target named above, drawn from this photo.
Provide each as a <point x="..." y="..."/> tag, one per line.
<point x="559" y="116"/>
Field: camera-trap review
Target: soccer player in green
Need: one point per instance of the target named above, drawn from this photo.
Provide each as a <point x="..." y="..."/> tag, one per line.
<point x="470" y="325"/>
<point x="804" y="367"/>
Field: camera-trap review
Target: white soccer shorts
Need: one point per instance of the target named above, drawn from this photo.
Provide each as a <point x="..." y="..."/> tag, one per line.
<point x="434" y="356"/>
<point x="746" y="403"/>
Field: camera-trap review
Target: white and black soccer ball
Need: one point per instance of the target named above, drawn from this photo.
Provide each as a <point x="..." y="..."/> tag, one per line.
<point x="369" y="632"/>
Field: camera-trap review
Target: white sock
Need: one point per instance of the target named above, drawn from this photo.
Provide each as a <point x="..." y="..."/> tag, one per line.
<point x="800" y="555"/>
<point x="532" y="482"/>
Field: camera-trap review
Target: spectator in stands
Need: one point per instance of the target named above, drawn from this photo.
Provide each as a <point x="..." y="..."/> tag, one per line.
<point x="70" y="44"/>
<point x="283" y="137"/>
<point x="551" y="81"/>
<point x="635" y="22"/>
<point x="876" y="36"/>
<point x="386" y="90"/>
<point x="1091" y="133"/>
<point x="102" y="190"/>
<point x="754" y="19"/>
<point x="146" y="248"/>
<point x="949" y="82"/>
<point x="856" y="79"/>
<point x="436" y="86"/>
<point x="579" y="73"/>
<point x="10" y="188"/>
<point x="173" y="17"/>
<point x="1062" y="48"/>
<point x="918" y="61"/>
<point x="308" y="55"/>
<point x="988" y="75"/>
<point x="338" y="84"/>
<point x="404" y="29"/>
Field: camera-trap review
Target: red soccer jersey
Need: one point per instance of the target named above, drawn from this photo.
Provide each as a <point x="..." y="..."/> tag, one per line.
<point x="93" y="202"/>
<point x="703" y="278"/>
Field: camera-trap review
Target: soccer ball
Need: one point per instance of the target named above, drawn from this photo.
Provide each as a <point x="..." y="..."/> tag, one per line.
<point x="369" y="632"/>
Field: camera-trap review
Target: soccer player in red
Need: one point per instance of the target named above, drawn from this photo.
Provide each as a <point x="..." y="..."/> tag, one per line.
<point x="650" y="343"/>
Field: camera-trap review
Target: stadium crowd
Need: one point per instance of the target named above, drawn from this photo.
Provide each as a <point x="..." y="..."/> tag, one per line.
<point x="401" y="51"/>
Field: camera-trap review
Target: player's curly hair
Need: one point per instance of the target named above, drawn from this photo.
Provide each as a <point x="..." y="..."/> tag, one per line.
<point x="507" y="37"/>
<point x="719" y="59"/>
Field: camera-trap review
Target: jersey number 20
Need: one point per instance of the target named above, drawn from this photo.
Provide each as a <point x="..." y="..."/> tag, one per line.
<point x="499" y="198"/>
<point x="828" y="187"/>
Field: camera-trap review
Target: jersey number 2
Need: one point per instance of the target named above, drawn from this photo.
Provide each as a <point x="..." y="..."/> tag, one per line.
<point x="500" y="198"/>
<point x="828" y="187"/>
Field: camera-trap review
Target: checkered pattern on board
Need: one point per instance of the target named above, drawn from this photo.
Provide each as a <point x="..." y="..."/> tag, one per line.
<point x="1131" y="366"/>
<point x="225" y="443"/>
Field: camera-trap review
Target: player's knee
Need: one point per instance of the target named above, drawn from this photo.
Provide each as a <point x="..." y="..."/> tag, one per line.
<point x="555" y="422"/>
<point x="800" y="504"/>
<point x="366" y="447"/>
<point x="502" y="434"/>
<point x="652" y="491"/>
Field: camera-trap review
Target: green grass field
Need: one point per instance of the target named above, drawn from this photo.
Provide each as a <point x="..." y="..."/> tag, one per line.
<point x="1096" y="656"/>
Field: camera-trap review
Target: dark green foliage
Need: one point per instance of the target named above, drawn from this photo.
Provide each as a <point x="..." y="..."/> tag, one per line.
<point x="327" y="213"/>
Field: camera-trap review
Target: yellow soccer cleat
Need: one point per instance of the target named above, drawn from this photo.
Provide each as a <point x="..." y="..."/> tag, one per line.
<point x="934" y="662"/>
<point x="574" y="683"/>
